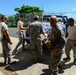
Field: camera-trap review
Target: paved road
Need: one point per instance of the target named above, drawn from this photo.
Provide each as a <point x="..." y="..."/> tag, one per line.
<point x="13" y="32"/>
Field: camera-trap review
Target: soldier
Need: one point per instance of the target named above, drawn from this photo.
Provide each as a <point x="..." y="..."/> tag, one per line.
<point x="71" y="41"/>
<point x="20" y="25"/>
<point x="56" y="39"/>
<point x="35" y="29"/>
<point x="6" y="41"/>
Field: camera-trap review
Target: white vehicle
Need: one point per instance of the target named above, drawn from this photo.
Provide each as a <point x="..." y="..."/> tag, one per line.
<point x="62" y="23"/>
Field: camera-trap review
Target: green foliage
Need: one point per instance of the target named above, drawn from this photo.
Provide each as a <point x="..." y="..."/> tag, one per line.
<point x="29" y="12"/>
<point x="11" y="18"/>
<point x="11" y="21"/>
<point x="75" y="22"/>
<point x="28" y="9"/>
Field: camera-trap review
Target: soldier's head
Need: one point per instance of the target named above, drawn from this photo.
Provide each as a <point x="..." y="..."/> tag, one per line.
<point x="21" y="17"/>
<point x="3" y="18"/>
<point x="71" y="21"/>
<point x="53" y="21"/>
<point x="36" y="17"/>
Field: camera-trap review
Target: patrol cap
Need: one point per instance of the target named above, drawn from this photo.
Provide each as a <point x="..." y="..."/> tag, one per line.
<point x="3" y="16"/>
<point x="36" y="17"/>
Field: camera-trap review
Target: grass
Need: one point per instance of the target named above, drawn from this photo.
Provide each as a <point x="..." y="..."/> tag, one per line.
<point x="12" y="28"/>
<point x="75" y="23"/>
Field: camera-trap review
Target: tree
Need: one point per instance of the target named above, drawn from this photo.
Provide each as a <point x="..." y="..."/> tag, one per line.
<point x="28" y="9"/>
<point x="11" y="20"/>
<point x="0" y="17"/>
<point x="29" y="12"/>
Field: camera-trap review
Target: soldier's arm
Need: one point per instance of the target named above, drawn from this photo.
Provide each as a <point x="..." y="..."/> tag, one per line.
<point x="25" y="24"/>
<point x="61" y="41"/>
<point x="21" y="28"/>
<point x="8" y="36"/>
<point x="42" y="31"/>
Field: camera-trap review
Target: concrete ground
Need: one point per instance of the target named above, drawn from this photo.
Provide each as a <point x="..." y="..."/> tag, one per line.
<point x="25" y="66"/>
<point x="1" y="73"/>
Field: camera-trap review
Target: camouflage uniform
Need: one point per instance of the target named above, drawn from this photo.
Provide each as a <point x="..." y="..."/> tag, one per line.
<point x="7" y="51"/>
<point x="57" y="40"/>
<point x="35" y="29"/>
<point x="21" y="40"/>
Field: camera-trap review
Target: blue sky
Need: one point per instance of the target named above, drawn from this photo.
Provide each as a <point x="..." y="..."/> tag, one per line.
<point x="49" y="6"/>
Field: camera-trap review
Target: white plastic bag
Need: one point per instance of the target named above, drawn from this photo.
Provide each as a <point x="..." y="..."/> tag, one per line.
<point x="23" y="34"/>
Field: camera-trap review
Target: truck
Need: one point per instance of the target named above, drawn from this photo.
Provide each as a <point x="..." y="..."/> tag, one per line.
<point x="62" y="23"/>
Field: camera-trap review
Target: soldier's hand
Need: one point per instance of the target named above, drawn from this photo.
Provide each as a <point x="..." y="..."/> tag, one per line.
<point x="25" y="24"/>
<point x="45" y="39"/>
<point x="11" y="43"/>
<point x="74" y="44"/>
<point x="28" y="22"/>
<point x="45" y="35"/>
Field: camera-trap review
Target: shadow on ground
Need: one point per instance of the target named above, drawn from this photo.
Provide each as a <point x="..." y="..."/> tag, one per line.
<point x="46" y="72"/>
<point x="25" y="61"/>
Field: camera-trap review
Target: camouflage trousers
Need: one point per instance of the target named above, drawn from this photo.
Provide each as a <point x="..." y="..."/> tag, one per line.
<point x="21" y="41"/>
<point x="55" y="60"/>
<point x="70" y="45"/>
<point x="36" y="46"/>
<point x="7" y="52"/>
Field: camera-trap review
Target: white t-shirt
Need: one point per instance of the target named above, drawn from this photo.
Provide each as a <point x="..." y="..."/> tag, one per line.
<point x="3" y="28"/>
<point x="72" y="32"/>
<point x="20" y="23"/>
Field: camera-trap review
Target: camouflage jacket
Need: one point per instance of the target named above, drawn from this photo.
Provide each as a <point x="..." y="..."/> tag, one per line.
<point x="56" y="38"/>
<point x="35" y="29"/>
